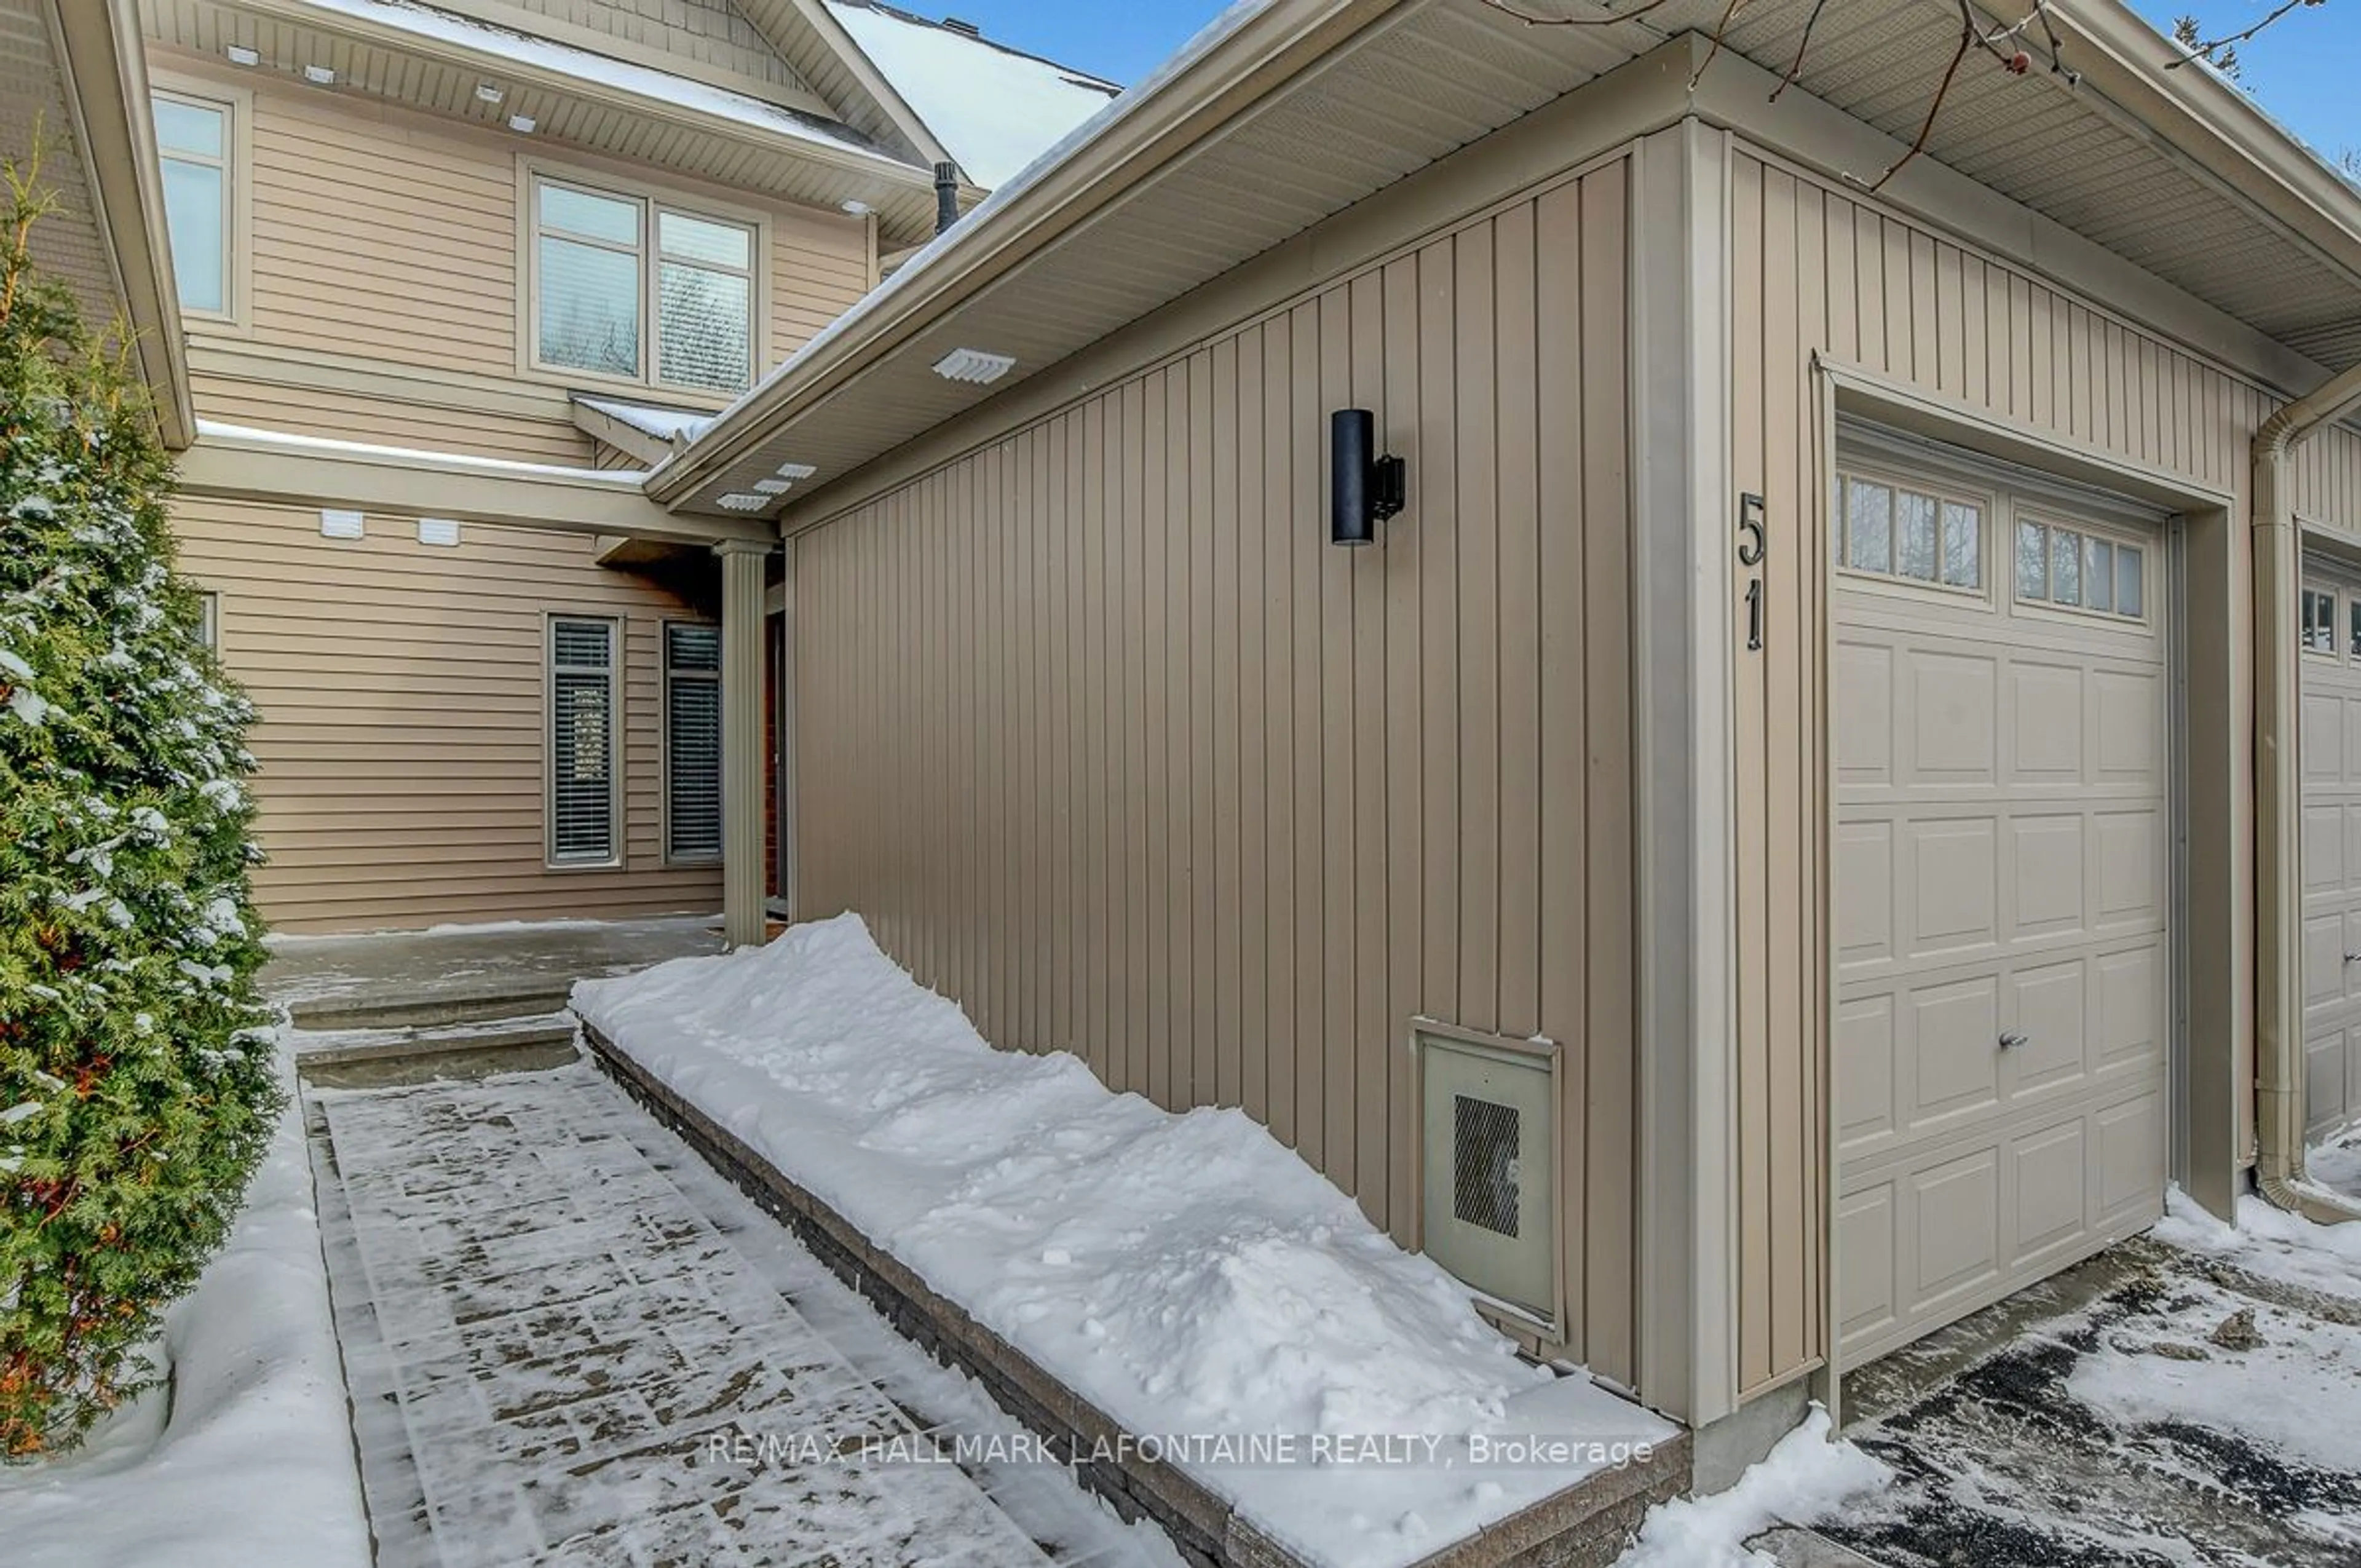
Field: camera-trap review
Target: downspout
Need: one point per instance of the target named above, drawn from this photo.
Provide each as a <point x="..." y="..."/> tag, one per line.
<point x="2278" y="891"/>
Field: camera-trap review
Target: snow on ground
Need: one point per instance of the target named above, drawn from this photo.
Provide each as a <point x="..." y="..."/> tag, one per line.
<point x="1806" y="1475"/>
<point x="2335" y="1163"/>
<point x="253" y="1464"/>
<point x="994" y="109"/>
<point x="1186" y="1273"/>
<point x="2274" y="1390"/>
<point x="2269" y="1242"/>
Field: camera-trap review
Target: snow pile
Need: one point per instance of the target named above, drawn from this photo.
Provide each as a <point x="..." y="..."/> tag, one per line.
<point x="994" y="109"/>
<point x="254" y="1464"/>
<point x="2268" y="1242"/>
<point x="1185" y="1274"/>
<point x="1805" y="1476"/>
<point x="2334" y="1163"/>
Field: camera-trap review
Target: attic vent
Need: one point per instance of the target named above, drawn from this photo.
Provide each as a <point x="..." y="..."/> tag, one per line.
<point x="966" y="30"/>
<point x="1489" y="1207"/>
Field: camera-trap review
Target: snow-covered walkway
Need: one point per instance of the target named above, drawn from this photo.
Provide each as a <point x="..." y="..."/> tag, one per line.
<point x="556" y="1357"/>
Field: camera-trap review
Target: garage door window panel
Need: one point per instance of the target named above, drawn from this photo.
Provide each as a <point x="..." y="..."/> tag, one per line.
<point x="2063" y="568"/>
<point x="1911" y="536"/>
<point x="2318" y="627"/>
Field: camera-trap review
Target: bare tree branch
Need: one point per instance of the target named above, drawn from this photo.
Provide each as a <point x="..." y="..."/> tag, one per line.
<point x="1803" y="46"/>
<point x="2006" y="43"/>
<point x="1532" y="20"/>
<point x="1721" y="29"/>
<point x="2205" y="49"/>
<point x="1969" y="36"/>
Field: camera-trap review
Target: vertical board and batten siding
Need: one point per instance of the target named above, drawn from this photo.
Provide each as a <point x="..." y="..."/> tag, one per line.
<point x="402" y="719"/>
<point x="1109" y="743"/>
<point x="1814" y="269"/>
<point x="400" y="688"/>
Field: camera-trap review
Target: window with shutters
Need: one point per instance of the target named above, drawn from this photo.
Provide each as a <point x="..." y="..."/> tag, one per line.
<point x="692" y="741"/>
<point x="584" y="654"/>
<point x="631" y="286"/>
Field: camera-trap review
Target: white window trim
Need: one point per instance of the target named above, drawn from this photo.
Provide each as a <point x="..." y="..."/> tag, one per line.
<point x="618" y="749"/>
<point x="237" y="165"/>
<point x="531" y="173"/>
<point x="1988" y="557"/>
<point x="664" y="771"/>
<point x="209" y="619"/>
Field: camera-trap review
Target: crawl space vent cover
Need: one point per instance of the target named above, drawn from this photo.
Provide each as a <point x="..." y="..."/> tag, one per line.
<point x="1488" y="1141"/>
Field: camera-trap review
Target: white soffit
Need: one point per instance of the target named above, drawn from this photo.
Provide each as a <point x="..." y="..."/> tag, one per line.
<point x="412" y="54"/>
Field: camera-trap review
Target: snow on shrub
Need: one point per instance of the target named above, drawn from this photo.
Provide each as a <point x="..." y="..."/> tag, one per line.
<point x="137" y="1089"/>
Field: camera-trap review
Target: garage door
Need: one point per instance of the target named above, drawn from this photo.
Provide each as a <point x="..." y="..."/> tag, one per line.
<point x="2002" y="882"/>
<point x="2329" y="754"/>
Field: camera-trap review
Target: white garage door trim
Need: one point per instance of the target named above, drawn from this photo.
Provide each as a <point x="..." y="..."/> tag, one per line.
<point x="2328" y="761"/>
<point x="2001" y="869"/>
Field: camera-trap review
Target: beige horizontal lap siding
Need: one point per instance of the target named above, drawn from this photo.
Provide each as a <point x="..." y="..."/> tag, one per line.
<point x="1817" y="269"/>
<point x="384" y="422"/>
<point x="820" y="267"/>
<point x="402" y="721"/>
<point x="707" y="30"/>
<point x="379" y="233"/>
<point x="1108" y="743"/>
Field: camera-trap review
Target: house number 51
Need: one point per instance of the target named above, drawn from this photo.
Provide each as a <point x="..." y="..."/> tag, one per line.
<point x="1752" y="544"/>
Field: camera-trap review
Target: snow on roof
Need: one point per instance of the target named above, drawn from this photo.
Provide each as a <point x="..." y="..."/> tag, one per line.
<point x="994" y="109"/>
<point x="663" y="424"/>
<point x="425" y="22"/>
<point x="216" y="430"/>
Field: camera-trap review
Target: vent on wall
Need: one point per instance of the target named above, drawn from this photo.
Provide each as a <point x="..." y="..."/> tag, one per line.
<point x="1489" y="1208"/>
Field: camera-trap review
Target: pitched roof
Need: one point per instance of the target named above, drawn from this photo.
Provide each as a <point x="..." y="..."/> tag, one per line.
<point x="993" y="108"/>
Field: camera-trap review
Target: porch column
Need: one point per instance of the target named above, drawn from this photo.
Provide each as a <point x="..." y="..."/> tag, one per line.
<point x="742" y="741"/>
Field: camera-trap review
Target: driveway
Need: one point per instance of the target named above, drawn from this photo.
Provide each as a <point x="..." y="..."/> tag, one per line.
<point x="2151" y="1409"/>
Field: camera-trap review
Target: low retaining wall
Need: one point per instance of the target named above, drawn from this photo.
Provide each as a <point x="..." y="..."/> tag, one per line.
<point x="1585" y="1526"/>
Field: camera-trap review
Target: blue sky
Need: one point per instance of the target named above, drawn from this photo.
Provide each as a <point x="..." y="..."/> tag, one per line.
<point x="2301" y="70"/>
<point x="2293" y="68"/>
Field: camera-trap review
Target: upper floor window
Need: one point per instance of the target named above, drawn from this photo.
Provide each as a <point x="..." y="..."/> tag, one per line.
<point x="640" y="289"/>
<point x="194" y="137"/>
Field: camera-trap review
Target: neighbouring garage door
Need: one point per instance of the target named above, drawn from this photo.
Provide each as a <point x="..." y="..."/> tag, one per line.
<point x="2329" y="750"/>
<point x="2001" y="881"/>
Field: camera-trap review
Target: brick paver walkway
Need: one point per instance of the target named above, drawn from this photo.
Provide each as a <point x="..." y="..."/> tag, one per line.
<point x="550" y="1348"/>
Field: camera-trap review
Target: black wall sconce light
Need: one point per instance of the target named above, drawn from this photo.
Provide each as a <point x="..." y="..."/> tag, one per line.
<point x="1364" y="488"/>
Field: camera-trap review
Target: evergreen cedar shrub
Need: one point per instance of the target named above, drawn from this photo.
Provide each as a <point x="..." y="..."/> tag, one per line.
<point x="137" y="1086"/>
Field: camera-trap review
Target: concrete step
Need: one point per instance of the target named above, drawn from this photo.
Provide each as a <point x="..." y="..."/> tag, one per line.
<point x="379" y="1045"/>
<point x="524" y="998"/>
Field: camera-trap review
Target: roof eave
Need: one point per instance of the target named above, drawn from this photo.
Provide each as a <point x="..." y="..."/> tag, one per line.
<point x="873" y="80"/>
<point x="364" y="29"/>
<point x="106" y="76"/>
<point x="2214" y="127"/>
<point x="1162" y="123"/>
